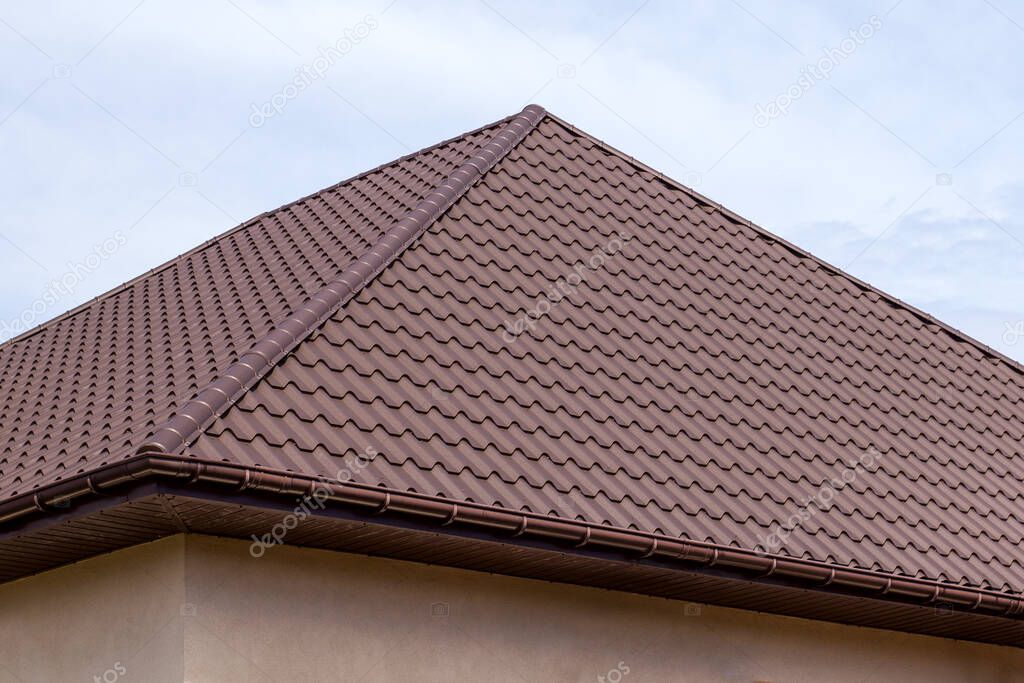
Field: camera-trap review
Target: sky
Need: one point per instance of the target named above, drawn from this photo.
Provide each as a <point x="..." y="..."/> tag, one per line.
<point x="884" y="137"/>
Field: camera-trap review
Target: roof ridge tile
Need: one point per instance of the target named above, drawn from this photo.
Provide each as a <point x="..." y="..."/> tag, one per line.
<point x="189" y="421"/>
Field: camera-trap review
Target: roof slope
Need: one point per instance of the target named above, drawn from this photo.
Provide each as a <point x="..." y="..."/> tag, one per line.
<point x="89" y="386"/>
<point x="702" y="381"/>
<point x="525" y="318"/>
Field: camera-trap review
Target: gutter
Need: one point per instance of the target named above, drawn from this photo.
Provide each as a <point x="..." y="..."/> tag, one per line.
<point x="575" y="534"/>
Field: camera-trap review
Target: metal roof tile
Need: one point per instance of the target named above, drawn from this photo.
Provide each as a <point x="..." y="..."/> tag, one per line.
<point x="704" y="381"/>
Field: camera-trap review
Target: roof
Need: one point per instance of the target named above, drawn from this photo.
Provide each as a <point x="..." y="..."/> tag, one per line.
<point x="525" y="320"/>
<point x="87" y="388"/>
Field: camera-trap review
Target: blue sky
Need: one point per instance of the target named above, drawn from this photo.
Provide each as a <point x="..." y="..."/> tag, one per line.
<point x="884" y="137"/>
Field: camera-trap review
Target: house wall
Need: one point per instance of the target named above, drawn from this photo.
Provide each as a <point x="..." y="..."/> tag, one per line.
<point x="115" y="617"/>
<point x="201" y="609"/>
<point x="298" y="614"/>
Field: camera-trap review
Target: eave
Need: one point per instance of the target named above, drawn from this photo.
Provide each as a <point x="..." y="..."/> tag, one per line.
<point x="694" y="570"/>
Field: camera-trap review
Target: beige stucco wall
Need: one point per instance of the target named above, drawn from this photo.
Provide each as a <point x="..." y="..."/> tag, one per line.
<point x="299" y="614"/>
<point x="117" y="616"/>
<point x="202" y="609"/>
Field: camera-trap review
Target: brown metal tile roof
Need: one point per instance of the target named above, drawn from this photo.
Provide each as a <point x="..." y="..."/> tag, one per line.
<point x="87" y="388"/>
<point x="696" y="378"/>
<point x="702" y="383"/>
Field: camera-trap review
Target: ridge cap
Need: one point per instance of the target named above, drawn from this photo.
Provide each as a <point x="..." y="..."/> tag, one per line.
<point x="189" y="420"/>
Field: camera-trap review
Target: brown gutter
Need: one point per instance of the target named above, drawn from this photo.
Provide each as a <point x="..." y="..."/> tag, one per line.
<point x="442" y="511"/>
<point x="196" y="415"/>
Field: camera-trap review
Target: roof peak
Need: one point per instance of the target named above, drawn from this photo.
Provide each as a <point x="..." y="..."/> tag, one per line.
<point x="213" y="241"/>
<point x="192" y="417"/>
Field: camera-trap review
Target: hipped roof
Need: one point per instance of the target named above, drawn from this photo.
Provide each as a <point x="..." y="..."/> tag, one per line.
<point x="524" y="319"/>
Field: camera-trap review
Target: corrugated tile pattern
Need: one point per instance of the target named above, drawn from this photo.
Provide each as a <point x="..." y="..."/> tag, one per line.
<point x="703" y="381"/>
<point x="88" y="387"/>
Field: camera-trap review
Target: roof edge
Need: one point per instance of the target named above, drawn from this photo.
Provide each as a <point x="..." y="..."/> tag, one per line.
<point x="992" y="353"/>
<point x="505" y="522"/>
<point x="189" y="421"/>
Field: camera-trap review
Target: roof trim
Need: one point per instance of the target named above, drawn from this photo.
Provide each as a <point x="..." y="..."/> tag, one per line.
<point x="504" y="522"/>
<point x="798" y="251"/>
<point x="195" y="415"/>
